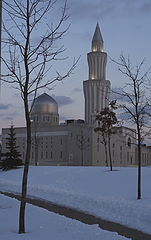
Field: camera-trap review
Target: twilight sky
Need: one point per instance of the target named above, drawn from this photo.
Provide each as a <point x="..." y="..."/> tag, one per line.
<point x="125" y="27"/>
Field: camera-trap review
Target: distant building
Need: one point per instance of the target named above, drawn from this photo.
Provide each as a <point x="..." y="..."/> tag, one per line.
<point x="75" y="142"/>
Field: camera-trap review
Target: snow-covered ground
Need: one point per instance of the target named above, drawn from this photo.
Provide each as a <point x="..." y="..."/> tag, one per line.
<point x="110" y="195"/>
<point x="42" y="224"/>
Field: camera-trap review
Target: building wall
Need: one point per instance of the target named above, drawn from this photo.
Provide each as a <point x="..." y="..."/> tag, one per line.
<point x="123" y="145"/>
<point x="123" y="149"/>
<point x="77" y="144"/>
<point x="145" y="155"/>
<point x="68" y="144"/>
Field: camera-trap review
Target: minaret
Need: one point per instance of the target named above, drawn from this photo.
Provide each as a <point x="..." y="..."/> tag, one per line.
<point x="97" y="88"/>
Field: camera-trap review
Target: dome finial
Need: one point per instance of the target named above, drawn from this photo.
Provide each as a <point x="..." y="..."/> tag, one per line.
<point x="97" y="41"/>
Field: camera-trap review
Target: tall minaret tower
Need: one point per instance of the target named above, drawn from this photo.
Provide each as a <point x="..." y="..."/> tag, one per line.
<point x="97" y="88"/>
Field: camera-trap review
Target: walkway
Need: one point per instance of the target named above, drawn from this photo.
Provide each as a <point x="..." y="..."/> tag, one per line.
<point x="83" y="217"/>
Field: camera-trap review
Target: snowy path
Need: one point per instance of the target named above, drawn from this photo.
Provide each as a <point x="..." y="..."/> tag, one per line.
<point x="42" y="224"/>
<point x="94" y="190"/>
<point x="83" y="217"/>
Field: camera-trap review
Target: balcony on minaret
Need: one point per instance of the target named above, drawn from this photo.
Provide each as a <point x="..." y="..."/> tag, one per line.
<point x="97" y="47"/>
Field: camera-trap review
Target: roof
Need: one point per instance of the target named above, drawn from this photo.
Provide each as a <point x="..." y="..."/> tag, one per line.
<point x="45" y="104"/>
<point x="45" y="98"/>
<point x="97" y="34"/>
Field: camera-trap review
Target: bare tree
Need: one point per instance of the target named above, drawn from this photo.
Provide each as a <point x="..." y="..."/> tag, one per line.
<point x="82" y="144"/>
<point x="32" y="46"/>
<point x="106" y="119"/>
<point x="135" y="103"/>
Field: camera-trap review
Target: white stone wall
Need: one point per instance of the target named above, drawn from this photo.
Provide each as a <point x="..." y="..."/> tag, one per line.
<point x="69" y="144"/>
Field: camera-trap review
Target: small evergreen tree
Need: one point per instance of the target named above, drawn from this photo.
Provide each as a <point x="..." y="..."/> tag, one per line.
<point x="12" y="158"/>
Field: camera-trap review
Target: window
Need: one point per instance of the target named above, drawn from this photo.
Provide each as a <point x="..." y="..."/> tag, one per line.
<point x="143" y="157"/>
<point x="41" y="155"/>
<point x="131" y="159"/>
<point x="60" y="154"/>
<point x="129" y="142"/>
<point x="51" y="154"/>
<point x="46" y="155"/>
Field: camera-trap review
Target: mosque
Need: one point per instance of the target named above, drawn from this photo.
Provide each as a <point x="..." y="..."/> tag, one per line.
<point x="74" y="142"/>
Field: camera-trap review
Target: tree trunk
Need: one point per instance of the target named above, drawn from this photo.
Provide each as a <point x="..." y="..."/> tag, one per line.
<point x="106" y="155"/>
<point x="36" y="154"/>
<point x="139" y="166"/>
<point x="105" y="148"/>
<point x="82" y="157"/>
<point x="25" y="173"/>
<point x="109" y="148"/>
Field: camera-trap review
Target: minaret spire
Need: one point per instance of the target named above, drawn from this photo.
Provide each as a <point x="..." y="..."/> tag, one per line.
<point x="97" y="41"/>
<point x="97" y="58"/>
<point x="96" y="88"/>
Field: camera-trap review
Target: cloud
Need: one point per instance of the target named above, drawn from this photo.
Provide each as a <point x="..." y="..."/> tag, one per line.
<point x="75" y="90"/>
<point x="116" y="94"/>
<point x="146" y="7"/>
<point x="91" y="9"/>
<point x="8" y="116"/>
<point x="63" y="117"/>
<point x="63" y="100"/>
<point x="88" y="9"/>
<point x="5" y="106"/>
